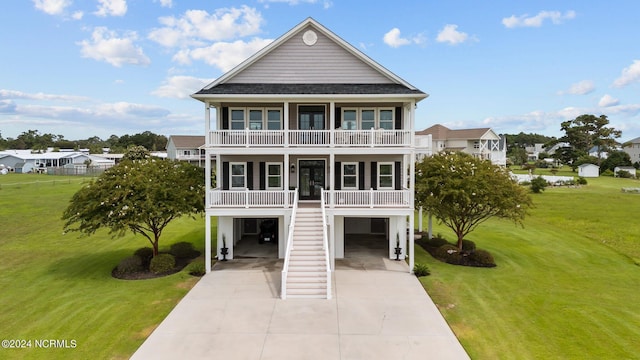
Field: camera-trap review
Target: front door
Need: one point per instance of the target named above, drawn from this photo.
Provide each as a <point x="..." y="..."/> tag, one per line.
<point x="311" y="118"/>
<point x="311" y="179"/>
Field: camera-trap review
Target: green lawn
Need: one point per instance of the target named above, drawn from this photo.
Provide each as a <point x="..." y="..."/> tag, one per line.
<point x="566" y="286"/>
<point x="57" y="286"/>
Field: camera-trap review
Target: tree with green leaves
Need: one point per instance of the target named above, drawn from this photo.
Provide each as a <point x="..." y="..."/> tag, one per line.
<point x="462" y="192"/>
<point x="142" y="196"/>
<point x="587" y="131"/>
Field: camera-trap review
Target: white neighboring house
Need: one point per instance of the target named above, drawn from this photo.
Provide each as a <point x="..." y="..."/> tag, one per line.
<point x="588" y="170"/>
<point x="534" y="151"/>
<point x="483" y="143"/>
<point x="186" y="148"/>
<point x="23" y="161"/>
<point x="630" y="169"/>
<point x="311" y="135"/>
<point x="632" y="147"/>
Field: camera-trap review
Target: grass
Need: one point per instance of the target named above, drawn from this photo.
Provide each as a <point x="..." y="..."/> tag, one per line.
<point x="566" y="285"/>
<point x="57" y="286"/>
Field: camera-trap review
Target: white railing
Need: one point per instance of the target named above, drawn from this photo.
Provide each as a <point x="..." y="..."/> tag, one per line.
<point x="250" y="198"/>
<point x="325" y="243"/>
<point x="285" y="267"/>
<point x="190" y="157"/>
<point x="301" y="138"/>
<point x="367" y="198"/>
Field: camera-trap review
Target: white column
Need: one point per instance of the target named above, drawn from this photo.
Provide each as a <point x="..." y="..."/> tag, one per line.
<point x="207" y="157"/>
<point x="285" y="179"/>
<point x="285" y="125"/>
<point x="332" y="243"/>
<point x="332" y="178"/>
<point x="332" y="122"/>
<point x="207" y="243"/>
<point x="411" y="243"/>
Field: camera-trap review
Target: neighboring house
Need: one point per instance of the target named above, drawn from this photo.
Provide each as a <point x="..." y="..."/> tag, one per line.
<point x="552" y="150"/>
<point x="186" y="148"/>
<point x="23" y="161"/>
<point x="630" y="169"/>
<point x="534" y="151"/>
<point x="588" y="170"/>
<point x="314" y="138"/>
<point x="632" y="147"/>
<point x="483" y="143"/>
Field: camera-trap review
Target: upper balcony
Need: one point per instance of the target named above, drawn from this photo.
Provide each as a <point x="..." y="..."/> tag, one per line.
<point x="310" y="138"/>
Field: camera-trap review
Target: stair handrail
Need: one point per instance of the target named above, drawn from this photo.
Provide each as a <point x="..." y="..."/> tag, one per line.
<point x="325" y="243"/>
<point x="285" y="267"/>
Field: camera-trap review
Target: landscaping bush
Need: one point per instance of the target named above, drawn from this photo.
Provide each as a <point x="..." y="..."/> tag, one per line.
<point x="468" y="246"/>
<point x="624" y="174"/>
<point x="130" y="265"/>
<point x="435" y="242"/>
<point x="607" y="173"/>
<point x="196" y="268"/>
<point x="145" y="254"/>
<point x="421" y="270"/>
<point x="448" y="253"/>
<point x="582" y="181"/>
<point x="183" y="250"/>
<point x="482" y="258"/>
<point x="162" y="263"/>
<point x="538" y="184"/>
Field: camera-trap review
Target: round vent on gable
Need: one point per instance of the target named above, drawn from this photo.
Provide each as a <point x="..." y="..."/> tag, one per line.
<point x="309" y="37"/>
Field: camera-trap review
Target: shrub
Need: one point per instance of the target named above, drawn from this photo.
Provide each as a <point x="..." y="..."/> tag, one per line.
<point x="145" y="254"/>
<point x="482" y="258"/>
<point x="581" y="180"/>
<point x="448" y="253"/>
<point x="607" y="173"/>
<point x="624" y="174"/>
<point x="538" y="184"/>
<point x="421" y="270"/>
<point x="468" y="246"/>
<point x="162" y="263"/>
<point x="196" y="268"/>
<point x="183" y="249"/>
<point x="436" y="242"/>
<point x="130" y="265"/>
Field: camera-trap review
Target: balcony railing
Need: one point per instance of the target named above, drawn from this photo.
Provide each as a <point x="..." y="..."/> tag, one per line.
<point x="301" y="138"/>
<point x="190" y="157"/>
<point x="368" y="198"/>
<point x="250" y="198"/>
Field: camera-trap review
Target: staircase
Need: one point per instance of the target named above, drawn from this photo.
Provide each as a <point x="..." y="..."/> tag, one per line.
<point x="307" y="272"/>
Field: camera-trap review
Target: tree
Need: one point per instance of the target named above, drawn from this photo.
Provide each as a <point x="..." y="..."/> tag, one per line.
<point x="462" y="192"/>
<point x="615" y="158"/>
<point x="136" y="153"/>
<point x="587" y="131"/>
<point x="141" y="196"/>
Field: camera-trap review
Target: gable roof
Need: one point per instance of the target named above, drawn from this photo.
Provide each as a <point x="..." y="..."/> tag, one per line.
<point x="441" y="132"/>
<point x="187" y="141"/>
<point x="384" y="81"/>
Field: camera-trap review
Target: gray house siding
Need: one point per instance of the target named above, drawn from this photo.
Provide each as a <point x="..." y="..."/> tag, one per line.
<point x="324" y="62"/>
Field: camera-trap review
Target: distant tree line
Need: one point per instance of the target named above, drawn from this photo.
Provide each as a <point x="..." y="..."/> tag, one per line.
<point x="516" y="145"/>
<point x="36" y="141"/>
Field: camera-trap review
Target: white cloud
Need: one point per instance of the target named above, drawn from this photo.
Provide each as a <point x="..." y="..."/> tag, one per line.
<point x="393" y="39"/>
<point x="106" y="45"/>
<point x="536" y="21"/>
<point x="180" y="87"/>
<point x="580" y="88"/>
<point x="165" y="3"/>
<point x="608" y="100"/>
<point x="14" y="94"/>
<point x="111" y="8"/>
<point x="451" y="35"/>
<point x="223" y="55"/>
<point x="52" y="7"/>
<point x="325" y="3"/>
<point x="198" y="27"/>
<point x="77" y="15"/>
<point x="629" y="75"/>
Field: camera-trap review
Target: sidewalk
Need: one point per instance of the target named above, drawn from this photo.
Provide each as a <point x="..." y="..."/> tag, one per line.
<point x="237" y="314"/>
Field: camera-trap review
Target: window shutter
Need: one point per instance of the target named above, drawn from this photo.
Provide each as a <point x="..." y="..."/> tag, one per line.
<point x="225" y="175"/>
<point x="398" y="124"/>
<point x="398" y="175"/>
<point x="338" y="175"/>
<point x="374" y="175"/>
<point x="338" y="120"/>
<point x="263" y="176"/>
<point x="250" y="175"/>
<point x="225" y="118"/>
<point x="361" y="175"/>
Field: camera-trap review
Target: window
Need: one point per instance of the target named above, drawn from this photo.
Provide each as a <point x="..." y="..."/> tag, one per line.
<point x="349" y="119"/>
<point x="476" y="145"/>
<point x="274" y="175"/>
<point x="350" y="175"/>
<point x="368" y="117"/>
<point x="237" y="119"/>
<point x="238" y="177"/>
<point x="274" y="119"/>
<point x="385" y="175"/>
<point x="255" y="119"/>
<point x="386" y="119"/>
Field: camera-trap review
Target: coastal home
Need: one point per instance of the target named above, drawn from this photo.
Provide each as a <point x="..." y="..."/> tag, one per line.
<point x="588" y="170"/>
<point x="632" y="147"/>
<point x="24" y="161"/>
<point x="186" y="148"/>
<point x="313" y="145"/>
<point x="483" y="143"/>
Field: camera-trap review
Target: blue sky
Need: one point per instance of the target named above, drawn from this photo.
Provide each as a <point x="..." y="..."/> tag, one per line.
<point x="102" y="67"/>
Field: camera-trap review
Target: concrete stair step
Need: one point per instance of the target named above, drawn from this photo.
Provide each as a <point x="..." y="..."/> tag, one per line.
<point x="320" y="293"/>
<point x="303" y="269"/>
<point x="307" y="280"/>
<point x="310" y="286"/>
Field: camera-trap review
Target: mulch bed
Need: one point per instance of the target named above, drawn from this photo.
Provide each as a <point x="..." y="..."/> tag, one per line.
<point x="146" y="274"/>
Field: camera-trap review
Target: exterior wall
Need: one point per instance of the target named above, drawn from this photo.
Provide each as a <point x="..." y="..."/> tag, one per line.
<point x="634" y="152"/>
<point x="295" y="62"/>
<point x="589" y="171"/>
<point x="171" y="150"/>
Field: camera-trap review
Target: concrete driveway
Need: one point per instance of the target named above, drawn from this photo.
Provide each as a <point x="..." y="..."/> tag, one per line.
<point x="378" y="311"/>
